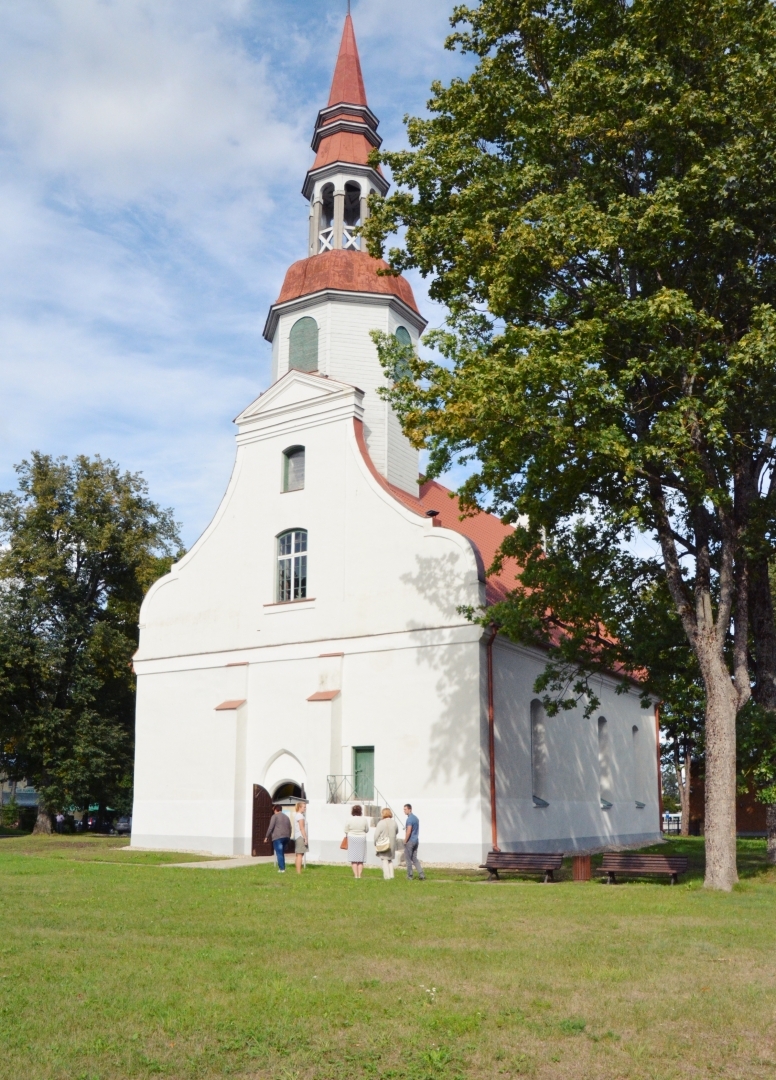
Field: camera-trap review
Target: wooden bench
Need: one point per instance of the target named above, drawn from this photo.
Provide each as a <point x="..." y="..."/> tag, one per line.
<point x="615" y="863"/>
<point x="521" y="863"/>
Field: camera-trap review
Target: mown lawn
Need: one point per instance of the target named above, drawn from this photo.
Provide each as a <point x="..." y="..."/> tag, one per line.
<point x="113" y="965"/>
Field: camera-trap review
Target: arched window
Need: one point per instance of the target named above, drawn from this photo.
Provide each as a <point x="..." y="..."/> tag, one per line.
<point x="604" y="764"/>
<point x="352" y="216"/>
<point x="292" y="565"/>
<point x="539" y="754"/>
<point x="326" y="234"/>
<point x="402" y="369"/>
<point x="293" y="468"/>
<point x="303" y="345"/>
<point x="636" y="767"/>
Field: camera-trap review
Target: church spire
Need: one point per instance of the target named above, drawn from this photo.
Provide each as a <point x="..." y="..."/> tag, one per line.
<point x="341" y="178"/>
<point x="348" y="82"/>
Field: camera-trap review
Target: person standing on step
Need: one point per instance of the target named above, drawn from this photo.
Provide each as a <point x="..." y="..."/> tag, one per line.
<point x="278" y="832"/>
<point x="411" y="841"/>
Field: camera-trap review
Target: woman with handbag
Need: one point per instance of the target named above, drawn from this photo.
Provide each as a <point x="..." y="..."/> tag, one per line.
<point x="355" y="840"/>
<point x="385" y="841"/>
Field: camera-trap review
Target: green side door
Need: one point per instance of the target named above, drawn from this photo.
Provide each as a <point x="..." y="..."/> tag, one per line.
<point x="364" y="772"/>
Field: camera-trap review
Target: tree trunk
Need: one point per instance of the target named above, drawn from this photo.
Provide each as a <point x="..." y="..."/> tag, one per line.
<point x="42" y="823"/>
<point x="770" y="826"/>
<point x="720" y="785"/>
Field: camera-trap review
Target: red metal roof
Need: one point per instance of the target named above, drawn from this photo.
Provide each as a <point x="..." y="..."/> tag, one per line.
<point x="350" y="271"/>
<point x="349" y="146"/>
<point x="485" y="531"/>
<point x="348" y="82"/>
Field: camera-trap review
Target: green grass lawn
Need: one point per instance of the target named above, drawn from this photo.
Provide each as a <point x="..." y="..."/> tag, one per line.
<point x="113" y="965"/>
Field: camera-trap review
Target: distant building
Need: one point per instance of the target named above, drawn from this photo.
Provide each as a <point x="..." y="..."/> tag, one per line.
<point x="311" y="641"/>
<point x="21" y="791"/>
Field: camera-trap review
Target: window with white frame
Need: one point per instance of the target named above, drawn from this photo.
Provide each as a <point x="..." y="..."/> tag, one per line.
<point x="292" y="565"/>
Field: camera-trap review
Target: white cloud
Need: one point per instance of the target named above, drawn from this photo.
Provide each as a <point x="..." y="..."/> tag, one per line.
<point x="151" y="157"/>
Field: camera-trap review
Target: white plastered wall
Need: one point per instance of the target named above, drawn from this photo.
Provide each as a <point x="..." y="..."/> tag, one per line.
<point x="346" y="352"/>
<point x="384" y="588"/>
<point x="574" y="818"/>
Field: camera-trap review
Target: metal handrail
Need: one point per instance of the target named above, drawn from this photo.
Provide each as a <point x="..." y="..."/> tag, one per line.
<point x="344" y="785"/>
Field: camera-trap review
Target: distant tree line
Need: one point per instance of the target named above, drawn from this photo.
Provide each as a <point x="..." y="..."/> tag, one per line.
<point x="80" y="544"/>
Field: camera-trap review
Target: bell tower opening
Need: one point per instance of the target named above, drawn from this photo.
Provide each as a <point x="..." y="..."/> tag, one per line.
<point x="326" y="232"/>
<point x="352" y="217"/>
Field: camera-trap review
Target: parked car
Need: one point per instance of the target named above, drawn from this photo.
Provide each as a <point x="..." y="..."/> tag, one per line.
<point x="124" y="826"/>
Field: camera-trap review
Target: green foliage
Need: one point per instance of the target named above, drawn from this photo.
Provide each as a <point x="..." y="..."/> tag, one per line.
<point x="81" y="545"/>
<point x="596" y="206"/>
<point x="9" y="815"/>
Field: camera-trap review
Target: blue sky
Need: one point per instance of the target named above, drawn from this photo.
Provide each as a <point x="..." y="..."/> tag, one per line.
<point x="151" y="158"/>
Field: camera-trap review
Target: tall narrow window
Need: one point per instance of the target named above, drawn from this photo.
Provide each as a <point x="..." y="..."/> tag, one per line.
<point x="326" y="234"/>
<point x="402" y="369"/>
<point x="352" y="216"/>
<point x="636" y="767"/>
<point x="604" y="764"/>
<point x="303" y="345"/>
<point x="292" y="565"/>
<point x="539" y="754"/>
<point x="293" y="468"/>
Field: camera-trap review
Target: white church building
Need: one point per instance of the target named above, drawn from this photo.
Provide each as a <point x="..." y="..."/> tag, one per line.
<point x="310" y="642"/>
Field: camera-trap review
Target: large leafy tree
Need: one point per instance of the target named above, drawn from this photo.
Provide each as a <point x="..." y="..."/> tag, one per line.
<point x="81" y="544"/>
<point x="597" y="206"/>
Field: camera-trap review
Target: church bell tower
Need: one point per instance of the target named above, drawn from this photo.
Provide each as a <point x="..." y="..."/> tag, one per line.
<point x="331" y="300"/>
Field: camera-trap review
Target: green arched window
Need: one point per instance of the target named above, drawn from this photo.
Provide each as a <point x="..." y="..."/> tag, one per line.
<point x="402" y="335"/>
<point x="303" y="345"/>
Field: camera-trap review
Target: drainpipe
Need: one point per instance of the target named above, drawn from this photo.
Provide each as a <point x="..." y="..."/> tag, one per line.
<point x="659" y="769"/>
<point x="492" y="740"/>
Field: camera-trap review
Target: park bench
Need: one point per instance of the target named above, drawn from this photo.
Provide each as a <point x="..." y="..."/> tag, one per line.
<point x="521" y="863"/>
<point x="616" y="863"/>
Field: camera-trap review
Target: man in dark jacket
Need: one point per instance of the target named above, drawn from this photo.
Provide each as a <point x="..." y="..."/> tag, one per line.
<point x="278" y="832"/>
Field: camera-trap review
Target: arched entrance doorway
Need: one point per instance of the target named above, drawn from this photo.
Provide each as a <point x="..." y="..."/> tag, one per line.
<point x="262" y="813"/>
<point x="287" y="790"/>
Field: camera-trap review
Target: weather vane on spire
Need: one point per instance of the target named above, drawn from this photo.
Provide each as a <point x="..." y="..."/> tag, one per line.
<point x="348" y="7"/>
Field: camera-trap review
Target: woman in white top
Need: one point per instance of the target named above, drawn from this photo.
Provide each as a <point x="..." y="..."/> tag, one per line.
<point x="385" y="841"/>
<point x="355" y="831"/>
<point x="301" y="846"/>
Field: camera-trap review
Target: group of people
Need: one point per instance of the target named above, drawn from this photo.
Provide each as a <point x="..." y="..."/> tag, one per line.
<point x="385" y="840"/>
<point x="282" y="829"/>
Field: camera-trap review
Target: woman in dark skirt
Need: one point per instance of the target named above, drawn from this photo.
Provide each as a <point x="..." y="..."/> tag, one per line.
<point x="356" y="830"/>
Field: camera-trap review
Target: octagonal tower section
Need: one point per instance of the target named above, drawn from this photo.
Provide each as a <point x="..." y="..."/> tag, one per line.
<point x="333" y="299"/>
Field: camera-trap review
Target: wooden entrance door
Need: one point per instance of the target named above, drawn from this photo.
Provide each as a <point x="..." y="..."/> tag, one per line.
<point x="262" y="814"/>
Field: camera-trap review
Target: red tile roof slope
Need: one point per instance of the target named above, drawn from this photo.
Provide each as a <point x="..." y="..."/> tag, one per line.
<point x="485" y="531"/>
<point x="349" y="146"/>
<point x="350" y="271"/>
<point x="348" y="82"/>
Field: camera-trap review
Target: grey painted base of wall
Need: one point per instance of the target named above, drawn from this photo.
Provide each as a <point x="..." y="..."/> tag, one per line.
<point x="584" y="845"/>
<point x="329" y="851"/>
